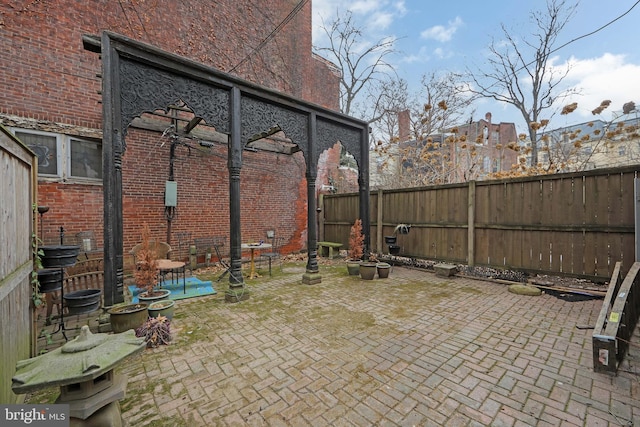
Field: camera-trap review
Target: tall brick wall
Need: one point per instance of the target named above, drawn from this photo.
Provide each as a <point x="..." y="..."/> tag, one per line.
<point x="45" y="66"/>
<point x="49" y="81"/>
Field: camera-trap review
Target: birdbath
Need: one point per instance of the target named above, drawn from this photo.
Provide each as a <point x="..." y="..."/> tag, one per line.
<point x="83" y="369"/>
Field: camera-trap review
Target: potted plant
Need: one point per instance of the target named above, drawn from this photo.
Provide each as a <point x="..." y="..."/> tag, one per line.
<point x="162" y="308"/>
<point x="128" y="316"/>
<point x="356" y="248"/>
<point x="368" y="269"/>
<point x="383" y="269"/>
<point x="145" y="271"/>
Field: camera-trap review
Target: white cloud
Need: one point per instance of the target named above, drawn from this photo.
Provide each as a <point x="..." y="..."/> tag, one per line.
<point x="381" y="20"/>
<point x="371" y="15"/>
<point x="441" y="53"/>
<point x="443" y="33"/>
<point x="420" y="57"/>
<point x="606" y="77"/>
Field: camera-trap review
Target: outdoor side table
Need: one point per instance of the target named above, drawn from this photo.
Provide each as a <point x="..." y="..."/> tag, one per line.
<point x="252" y="247"/>
<point x="176" y="268"/>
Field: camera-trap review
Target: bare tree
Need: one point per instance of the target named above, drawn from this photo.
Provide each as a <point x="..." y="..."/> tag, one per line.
<point x="519" y="70"/>
<point x="362" y="63"/>
<point x="392" y="97"/>
<point x="440" y="89"/>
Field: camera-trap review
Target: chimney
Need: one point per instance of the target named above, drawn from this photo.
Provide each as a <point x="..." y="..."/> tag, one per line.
<point x="404" y="125"/>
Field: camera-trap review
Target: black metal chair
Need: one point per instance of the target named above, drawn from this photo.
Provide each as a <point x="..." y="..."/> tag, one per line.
<point x="274" y="252"/>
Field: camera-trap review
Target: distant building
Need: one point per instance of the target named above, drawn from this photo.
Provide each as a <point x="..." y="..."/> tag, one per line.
<point x="591" y="145"/>
<point x="493" y="143"/>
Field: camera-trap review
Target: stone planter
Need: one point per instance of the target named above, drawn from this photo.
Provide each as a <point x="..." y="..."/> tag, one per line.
<point x="83" y="301"/>
<point x="383" y="269"/>
<point x="162" y="308"/>
<point x="127" y="317"/>
<point x="353" y="267"/>
<point x="367" y="270"/>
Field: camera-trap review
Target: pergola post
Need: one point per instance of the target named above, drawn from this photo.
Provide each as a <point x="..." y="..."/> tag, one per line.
<point x="312" y="275"/>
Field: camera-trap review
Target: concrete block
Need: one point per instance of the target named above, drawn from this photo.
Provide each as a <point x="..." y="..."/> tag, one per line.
<point x="445" y="270"/>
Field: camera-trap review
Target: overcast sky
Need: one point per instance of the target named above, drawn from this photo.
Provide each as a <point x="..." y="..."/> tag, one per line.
<point x="454" y="34"/>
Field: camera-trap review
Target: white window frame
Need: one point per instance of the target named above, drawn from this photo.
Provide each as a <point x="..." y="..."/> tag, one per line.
<point x="63" y="156"/>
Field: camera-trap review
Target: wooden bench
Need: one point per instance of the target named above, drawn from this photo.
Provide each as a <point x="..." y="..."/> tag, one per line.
<point x="330" y="246"/>
<point x="85" y="266"/>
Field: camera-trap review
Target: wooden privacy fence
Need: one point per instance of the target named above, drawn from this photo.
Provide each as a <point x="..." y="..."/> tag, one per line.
<point x="577" y="224"/>
<point x="18" y="181"/>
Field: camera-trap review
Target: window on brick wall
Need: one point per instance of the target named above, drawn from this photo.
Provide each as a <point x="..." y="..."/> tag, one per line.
<point x="64" y="157"/>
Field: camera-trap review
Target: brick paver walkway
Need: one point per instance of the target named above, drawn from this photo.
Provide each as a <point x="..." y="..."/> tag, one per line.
<point x="411" y="350"/>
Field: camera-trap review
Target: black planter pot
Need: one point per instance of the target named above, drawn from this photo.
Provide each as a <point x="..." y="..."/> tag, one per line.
<point x="84" y="301"/>
<point x="50" y="279"/>
<point x="59" y="256"/>
<point x="394" y="249"/>
<point x="390" y="240"/>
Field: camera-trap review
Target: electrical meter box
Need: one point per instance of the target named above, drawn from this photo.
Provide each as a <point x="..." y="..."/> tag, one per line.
<point x="171" y="194"/>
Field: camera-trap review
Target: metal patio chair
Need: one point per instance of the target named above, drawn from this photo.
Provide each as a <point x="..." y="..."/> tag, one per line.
<point x="274" y="252"/>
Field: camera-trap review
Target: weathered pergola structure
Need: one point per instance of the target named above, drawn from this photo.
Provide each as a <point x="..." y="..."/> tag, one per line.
<point x="139" y="78"/>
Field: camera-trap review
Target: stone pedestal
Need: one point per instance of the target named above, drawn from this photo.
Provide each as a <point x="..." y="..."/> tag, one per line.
<point x="107" y="416"/>
<point x="311" y="278"/>
<point x="236" y="294"/>
<point x="87" y="401"/>
<point x="445" y="270"/>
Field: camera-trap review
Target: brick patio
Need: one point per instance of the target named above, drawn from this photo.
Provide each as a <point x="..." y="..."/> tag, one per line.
<point x="415" y="349"/>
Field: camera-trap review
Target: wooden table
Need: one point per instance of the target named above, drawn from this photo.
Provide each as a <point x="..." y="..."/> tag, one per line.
<point x="252" y="247"/>
<point x="175" y="268"/>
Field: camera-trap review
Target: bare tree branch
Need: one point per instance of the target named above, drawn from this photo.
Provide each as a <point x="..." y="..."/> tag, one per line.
<point x="520" y="73"/>
<point x="362" y="63"/>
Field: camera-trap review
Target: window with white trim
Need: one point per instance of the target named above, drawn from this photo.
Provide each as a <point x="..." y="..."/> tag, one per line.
<point x="63" y="156"/>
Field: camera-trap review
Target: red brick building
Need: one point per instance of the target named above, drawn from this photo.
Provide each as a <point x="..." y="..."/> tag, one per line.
<point x="51" y="100"/>
<point x="491" y="142"/>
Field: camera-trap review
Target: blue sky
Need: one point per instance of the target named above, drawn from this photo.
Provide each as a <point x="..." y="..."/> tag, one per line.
<point x="454" y="34"/>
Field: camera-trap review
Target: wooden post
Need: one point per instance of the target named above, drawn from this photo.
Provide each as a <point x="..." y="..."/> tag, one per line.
<point x="321" y="217"/>
<point x="636" y="211"/>
<point x="471" y="224"/>
<point x="379" y="223"/>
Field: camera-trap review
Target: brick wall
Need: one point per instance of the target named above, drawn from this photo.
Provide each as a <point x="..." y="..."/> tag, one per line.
<point x="50" y="81"/>
<point x="272" y="194"/>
